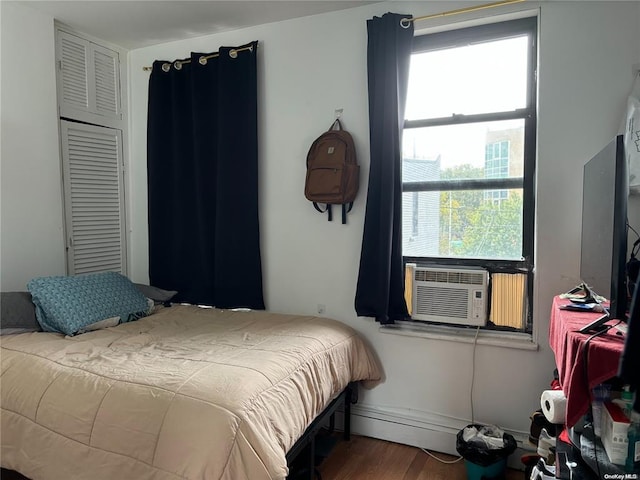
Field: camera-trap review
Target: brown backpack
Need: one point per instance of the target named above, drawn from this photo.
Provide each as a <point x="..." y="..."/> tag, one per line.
<point x="332" y="171"/>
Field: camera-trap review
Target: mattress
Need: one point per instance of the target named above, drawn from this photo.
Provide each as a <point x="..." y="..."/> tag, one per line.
<point x="186" y="393"/>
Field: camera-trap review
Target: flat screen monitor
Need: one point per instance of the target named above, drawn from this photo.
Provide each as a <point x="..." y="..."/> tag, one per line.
<point x="629" y="370"/>
<point x="603" y="253"/>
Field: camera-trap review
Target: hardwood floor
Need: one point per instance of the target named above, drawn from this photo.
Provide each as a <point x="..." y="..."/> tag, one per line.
<point x="364" y="458"/>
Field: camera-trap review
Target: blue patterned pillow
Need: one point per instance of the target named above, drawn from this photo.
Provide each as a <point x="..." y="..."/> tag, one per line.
<point x="70" y="304"/>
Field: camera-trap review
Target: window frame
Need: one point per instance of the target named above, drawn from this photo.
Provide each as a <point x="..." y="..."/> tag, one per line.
<point x="466" y="36"/>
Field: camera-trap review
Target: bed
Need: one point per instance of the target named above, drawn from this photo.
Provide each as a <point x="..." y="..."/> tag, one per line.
<point x="184" y="393"/>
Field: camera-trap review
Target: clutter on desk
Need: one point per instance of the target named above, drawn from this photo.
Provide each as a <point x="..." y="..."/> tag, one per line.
<point x="583" y="294"/>
<point x="583" y="307"/>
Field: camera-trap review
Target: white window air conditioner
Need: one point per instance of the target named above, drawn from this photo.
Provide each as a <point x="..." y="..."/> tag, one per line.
<point x="449" y="295"/>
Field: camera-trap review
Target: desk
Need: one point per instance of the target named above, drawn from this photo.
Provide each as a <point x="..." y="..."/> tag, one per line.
<point x="568" y="346"/>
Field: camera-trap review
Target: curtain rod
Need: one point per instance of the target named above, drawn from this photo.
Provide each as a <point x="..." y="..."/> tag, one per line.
<point x="404" y="22"/>
<point x="233" y="53"/>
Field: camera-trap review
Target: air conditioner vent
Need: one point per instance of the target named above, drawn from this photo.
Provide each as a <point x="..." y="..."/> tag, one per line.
<point x="449" y="295"/>
<point x="441" y="276"/>
<point x="445" y="302"/>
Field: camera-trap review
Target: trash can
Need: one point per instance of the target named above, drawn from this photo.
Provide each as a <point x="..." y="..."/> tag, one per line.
<point x="485" y="449"/>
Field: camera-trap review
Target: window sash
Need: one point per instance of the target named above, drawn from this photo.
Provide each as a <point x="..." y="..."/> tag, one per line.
<point x="503" y="183"/>
<point x="456" y="119"/>
<point x="463" y="37"/>
<point x="477" y="34"/>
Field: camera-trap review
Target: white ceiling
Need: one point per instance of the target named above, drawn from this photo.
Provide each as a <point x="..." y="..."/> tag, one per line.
<point x="134" y="24"/>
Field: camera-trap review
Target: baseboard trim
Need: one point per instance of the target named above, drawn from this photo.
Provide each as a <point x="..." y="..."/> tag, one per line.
<point x="428" y="430"/>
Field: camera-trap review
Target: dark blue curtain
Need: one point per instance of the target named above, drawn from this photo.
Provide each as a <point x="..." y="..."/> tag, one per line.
<point x="202" y="165"/>
<point x="380" y="289"/>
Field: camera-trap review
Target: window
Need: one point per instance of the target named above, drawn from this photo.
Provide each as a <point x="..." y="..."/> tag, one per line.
<point x="469" y="158"/>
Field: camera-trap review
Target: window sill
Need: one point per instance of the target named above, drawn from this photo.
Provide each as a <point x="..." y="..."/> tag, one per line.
<point x="522" y="341"/>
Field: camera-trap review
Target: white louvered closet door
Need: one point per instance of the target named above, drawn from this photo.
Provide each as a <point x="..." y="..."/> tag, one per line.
<point x="73" y="79"/>
<point x="88" y="79"/>
<point x="105" y="77"/>
<point x="94" y="198"/>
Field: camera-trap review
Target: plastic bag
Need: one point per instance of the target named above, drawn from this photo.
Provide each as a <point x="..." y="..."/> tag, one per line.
<point x="484" y="445"/>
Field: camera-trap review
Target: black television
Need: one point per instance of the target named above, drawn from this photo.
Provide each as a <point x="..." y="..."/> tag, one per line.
<point x="629" y="369"/>
<point x="603" y="252"/>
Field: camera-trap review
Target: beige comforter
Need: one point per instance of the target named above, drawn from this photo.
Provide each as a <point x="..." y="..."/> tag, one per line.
<point x="185" y="393"/>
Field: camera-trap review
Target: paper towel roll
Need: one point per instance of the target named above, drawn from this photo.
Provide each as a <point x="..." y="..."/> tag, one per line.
<point x="553" y="403"/>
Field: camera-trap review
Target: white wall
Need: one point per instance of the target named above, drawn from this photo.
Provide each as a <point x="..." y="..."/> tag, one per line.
<point x="311" y="66"/>
<point x="32" y="240"/>
<point x="308" y="67"/>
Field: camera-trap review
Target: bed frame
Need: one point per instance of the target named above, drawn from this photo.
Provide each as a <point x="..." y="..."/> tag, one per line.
<point x="11" y="475"/>
<point x="305" y="444"/>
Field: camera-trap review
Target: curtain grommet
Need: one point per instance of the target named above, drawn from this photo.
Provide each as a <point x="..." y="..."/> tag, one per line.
<point x="177" y="65"/>
<point x="233" y="53"/>
<point x="405" y="22"/>
<point x="166" y="67"/>
<point x="202" y="60"/>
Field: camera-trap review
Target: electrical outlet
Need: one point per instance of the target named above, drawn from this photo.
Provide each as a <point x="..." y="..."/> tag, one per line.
<point x="321" y="308"/>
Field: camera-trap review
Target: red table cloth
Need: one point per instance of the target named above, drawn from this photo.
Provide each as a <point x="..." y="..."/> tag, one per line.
<point x="570" y="347"/>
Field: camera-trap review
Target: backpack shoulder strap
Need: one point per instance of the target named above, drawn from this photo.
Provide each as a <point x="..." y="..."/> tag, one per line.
<point x="327" y="209"/>
<point x="346" y="208"/>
